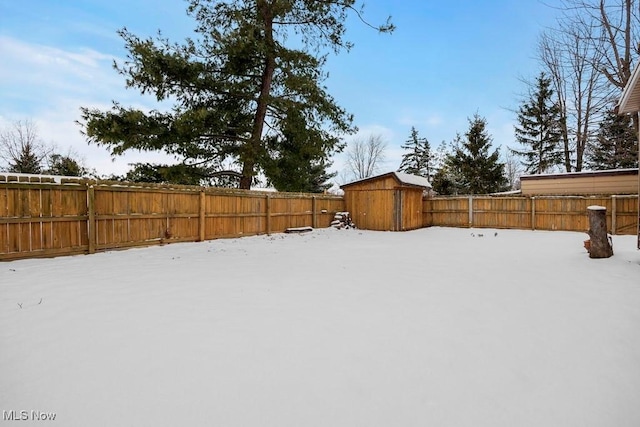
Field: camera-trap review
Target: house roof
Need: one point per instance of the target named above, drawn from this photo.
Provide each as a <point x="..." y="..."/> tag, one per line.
<point x="401" y="177"/>
<point x="608" y="172"/>
<point x="630" y="99"/>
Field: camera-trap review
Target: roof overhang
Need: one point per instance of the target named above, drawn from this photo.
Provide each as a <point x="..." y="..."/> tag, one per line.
<point x="630" y="99"/>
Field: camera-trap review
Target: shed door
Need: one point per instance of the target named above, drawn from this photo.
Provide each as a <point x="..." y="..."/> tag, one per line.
<point x="397" y="210"/>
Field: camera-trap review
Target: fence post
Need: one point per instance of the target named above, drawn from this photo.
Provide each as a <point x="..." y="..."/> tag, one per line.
<point x="314" y="220"/>
<point x="268" y="197"/>
<point x="91" y="218"/>
<point x="202" y="216"/>
<point x="533" y="213"/>
<point x="614" y="213"/>
<point x="470" y="211"/>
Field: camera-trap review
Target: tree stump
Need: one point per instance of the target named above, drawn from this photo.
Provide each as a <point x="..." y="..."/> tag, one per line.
<point x="600" y="245"/>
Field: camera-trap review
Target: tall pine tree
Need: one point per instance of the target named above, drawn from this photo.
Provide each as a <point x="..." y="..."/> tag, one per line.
<point x="297" y="160"/>
<point x="539" y="129"/>
<point x="616" y="145"/>
<point x="251" y="63"/>
<point x="418" y="159"/>
<point x="471" y="168"/>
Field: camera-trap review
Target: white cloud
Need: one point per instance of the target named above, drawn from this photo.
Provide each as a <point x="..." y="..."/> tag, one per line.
<point x="53" y="72"/>
<point x="434" y="121"/>
<point x="372" y="129"/>
<point x="422" y="120"/>
<point x="48" y="85"/>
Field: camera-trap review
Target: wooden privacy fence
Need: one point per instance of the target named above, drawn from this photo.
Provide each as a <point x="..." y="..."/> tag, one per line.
<point x="48" y="219"/>
<point x="38" y="219"/>
<point x="568" y="213"/>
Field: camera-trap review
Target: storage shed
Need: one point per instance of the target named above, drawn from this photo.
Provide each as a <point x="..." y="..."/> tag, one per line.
<point x="388" y="202"/>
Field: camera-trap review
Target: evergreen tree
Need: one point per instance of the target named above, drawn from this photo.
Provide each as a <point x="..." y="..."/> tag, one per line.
<point x="65" y="166"/>
<point x="447" y="181"/>
<point x="28" y="161"/>
<point x="444" y="180"/>
<point x="471" y="169"/>
<point x="233" y="85"/>
<point x="539" y="129"/>
<point x="439" y="156"/>
<point x="418" y="160"/>
<point x="616" y="144"/>
<point x="166" y="174"/>
<point x="296" y="161"/>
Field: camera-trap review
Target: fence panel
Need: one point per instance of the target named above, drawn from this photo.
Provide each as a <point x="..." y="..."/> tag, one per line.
<point x="495" y="212"/>
<point x="447" y="211"/>
<point x="287" y="212"/>
<point x="326" y="207"/>
<point x="42" y="221"/>
<point x="568" y="213"/>
<point x="232" y="215"/>
<point x="626" y="214"/>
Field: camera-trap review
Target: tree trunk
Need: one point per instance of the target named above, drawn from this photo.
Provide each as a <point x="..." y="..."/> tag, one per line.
<point x="251" y="152"/>
<point x="600" y="246"/>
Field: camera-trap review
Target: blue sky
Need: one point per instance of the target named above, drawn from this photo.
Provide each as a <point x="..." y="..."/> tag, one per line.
<point x="445" y="62"/>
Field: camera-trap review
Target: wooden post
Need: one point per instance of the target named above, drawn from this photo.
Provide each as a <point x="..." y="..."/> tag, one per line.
<point x="614" y="214"/>
<point x="91" y="218"/>
<point x="314" y="220"/>
<point x="533" y="213"/>
<point x="268" y="207"/>
<point x="202" y="217"/>
<point x="397" y="210"/>
<point x="599" y="246"/>
<point x="470" y="211"/>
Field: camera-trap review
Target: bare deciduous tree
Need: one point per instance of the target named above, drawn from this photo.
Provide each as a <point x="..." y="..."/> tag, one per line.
<point x="22" y="150"/>
<point x="572" y="56"/>
<point x="365" y="156"/>
<point x="589" y="56"/>
<point x="512" y="170"/>
<point x="617" y="26"/>
<point x="614" y="33"/>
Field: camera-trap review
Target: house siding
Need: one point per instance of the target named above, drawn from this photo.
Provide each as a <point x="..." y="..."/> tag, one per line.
<point x="589" y="183"/>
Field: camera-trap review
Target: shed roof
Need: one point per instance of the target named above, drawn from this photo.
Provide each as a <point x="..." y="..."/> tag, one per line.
<point x="401" y="177"/>
<point x="630" y="99"/>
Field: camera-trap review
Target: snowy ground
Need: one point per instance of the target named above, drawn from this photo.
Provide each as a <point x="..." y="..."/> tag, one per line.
<point x="434" y="327"/>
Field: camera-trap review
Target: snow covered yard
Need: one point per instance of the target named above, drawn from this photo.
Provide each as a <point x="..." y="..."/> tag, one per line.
<point x="434" y="327"/>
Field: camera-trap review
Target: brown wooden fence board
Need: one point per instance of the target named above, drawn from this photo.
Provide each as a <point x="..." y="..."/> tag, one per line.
<point x="13" y="236"/>
<point x="36" y="237"/>
<point x="4" y="238"/>
<point x="4" y="203"/>
<point x="46" y="205"/>
<point x="47" y="235"/>
<point x="62" y="235"/>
